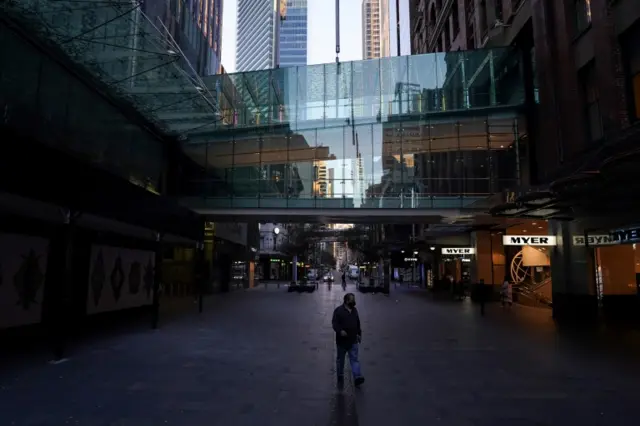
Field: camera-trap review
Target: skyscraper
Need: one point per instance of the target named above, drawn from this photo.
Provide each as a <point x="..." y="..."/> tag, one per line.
<point x="375" y="29"/>
<point x="293" y="34"/>
<point x="257" y="34"/>
<point x="254" y="38"/>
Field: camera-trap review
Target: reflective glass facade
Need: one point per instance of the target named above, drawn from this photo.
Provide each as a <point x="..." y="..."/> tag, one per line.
<point x="293" y="34"/>
<point x="195" y="25"/>
<point x="44" y="101"/>
<point x="428" y="131"/>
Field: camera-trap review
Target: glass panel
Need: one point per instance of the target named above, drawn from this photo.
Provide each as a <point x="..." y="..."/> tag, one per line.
<point x="377" y="133"/>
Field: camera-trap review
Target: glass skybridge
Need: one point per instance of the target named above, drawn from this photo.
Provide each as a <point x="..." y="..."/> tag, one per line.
<point x="442" y="130"/>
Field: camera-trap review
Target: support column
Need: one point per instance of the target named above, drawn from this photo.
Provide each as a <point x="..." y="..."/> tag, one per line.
<point x="199" y="277"/>
<point x="61" y="295"/>
<point x="157" y="281"/>
<point x="294" y="278"/>
<point x="572" y="274"/>
<point x="489" y="263"/>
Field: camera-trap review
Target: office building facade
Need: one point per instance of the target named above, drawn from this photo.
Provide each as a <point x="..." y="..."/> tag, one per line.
<point x="254" y="37"/>
<point x="195" y="26"/>
<point x="375" y="29"/>
<point x="293" y="34"/>
<point x="582" y="84"/>
<point x="259" y="40"/>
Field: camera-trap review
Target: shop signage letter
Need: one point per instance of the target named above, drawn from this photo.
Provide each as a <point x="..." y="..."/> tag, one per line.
<point x="594" y="240"/>
<point x="460" y="251"/>
<point x="529" y="240"/>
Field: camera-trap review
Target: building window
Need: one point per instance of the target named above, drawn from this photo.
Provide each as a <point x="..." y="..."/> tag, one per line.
<point x="582" y="14"/>
<point x="631" y="59"/>
<point x="591" y="101"/>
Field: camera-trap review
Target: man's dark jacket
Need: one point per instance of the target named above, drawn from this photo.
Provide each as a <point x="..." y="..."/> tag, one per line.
<point x="349" y="322"/>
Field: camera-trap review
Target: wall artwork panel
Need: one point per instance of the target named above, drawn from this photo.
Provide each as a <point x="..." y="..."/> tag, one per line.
<point x="119" y="278"/>
<point x="23" y="265"/>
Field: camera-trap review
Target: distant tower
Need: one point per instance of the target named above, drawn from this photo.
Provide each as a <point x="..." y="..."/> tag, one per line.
<point x="375" y="29"/>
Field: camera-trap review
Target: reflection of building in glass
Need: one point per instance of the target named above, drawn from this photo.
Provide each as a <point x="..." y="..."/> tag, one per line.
<point x="416" y="151"/>
<point x="375" y="29"/>
<point x="321" y="182"/>
<point x="196" y="26"/>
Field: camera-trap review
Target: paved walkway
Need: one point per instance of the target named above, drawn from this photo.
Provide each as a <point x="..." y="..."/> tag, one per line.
<point x="265" y="358"/>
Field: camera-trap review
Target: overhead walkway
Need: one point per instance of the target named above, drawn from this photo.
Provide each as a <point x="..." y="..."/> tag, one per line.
<point x="442" y="131"/>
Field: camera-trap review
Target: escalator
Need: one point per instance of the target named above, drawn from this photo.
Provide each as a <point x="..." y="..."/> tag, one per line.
<point x="536" y="295"/>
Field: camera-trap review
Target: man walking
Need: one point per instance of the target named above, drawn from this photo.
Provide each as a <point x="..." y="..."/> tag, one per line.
<point x="346" y="324"/>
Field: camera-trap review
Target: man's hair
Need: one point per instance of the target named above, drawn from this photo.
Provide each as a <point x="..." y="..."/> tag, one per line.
<point x="347" y="296"/>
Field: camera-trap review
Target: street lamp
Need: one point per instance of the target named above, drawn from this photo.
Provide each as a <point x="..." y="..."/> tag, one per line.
<point x="276" y="231"/>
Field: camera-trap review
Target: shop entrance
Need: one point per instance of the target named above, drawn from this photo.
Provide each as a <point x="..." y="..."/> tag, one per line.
<point x="617" y="266"/>
<point x="527" y="249"/>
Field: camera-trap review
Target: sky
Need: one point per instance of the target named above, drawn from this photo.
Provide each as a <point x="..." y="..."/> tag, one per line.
<point x="321" y="32"/>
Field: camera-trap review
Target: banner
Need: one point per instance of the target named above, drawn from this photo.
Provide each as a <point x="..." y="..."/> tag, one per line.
<point x="119" y="278"/>
<point x="23" y="266"/>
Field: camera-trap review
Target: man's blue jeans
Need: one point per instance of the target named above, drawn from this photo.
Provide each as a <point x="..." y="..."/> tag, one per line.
<point x="353" y="360"/>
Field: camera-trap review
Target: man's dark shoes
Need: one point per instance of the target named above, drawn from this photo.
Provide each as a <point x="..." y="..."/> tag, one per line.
<point x="359" y="381"/>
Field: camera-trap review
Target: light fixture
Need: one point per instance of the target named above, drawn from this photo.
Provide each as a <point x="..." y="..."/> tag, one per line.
<point x="432" y="248"/>
<point x="276" y="230"/>
<point x="171" y="52"/>
<point x="501" y="146"/>
<point x="415" y="252"/>
<point x="402" y="251"/>
<point x="534" y="224"/>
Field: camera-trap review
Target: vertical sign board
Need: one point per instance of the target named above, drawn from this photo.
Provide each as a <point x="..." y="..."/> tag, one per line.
<point x="529" y="240"/>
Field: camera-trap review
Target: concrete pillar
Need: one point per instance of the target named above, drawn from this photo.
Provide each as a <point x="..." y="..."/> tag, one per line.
<point x="489" y="264"/>
<point x="572" y="274"/>
<point x="295" y="269"/>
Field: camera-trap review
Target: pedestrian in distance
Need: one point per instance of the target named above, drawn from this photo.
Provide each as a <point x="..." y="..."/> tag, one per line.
<point x="346" y="324"/>
<point x="482" y="295"/>
<point x="506" y="293"/>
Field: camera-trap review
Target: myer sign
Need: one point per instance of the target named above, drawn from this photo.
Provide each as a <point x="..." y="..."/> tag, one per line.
<point x="594" y="240"/>
<point x="529" y="240"/>
<point x="459" y="251"/>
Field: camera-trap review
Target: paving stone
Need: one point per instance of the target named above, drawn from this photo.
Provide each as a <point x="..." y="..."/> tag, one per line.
<point x="265" y="357"/>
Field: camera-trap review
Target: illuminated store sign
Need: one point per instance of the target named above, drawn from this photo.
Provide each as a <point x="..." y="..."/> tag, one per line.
<point x="594" y="240"/>
<point x="529" y="240"/>
<point x="626" y="236"/>
<point x="410" y="259"/>
<point x="461" y="251"/>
